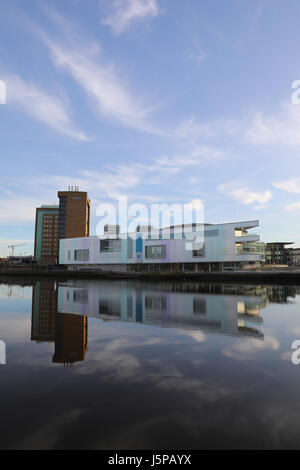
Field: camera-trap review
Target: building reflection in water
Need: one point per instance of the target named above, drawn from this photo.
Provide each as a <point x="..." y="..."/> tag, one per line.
<point x="226" y="309"/>
<point x="60" y="311"/>
<point x="68" y="332"/>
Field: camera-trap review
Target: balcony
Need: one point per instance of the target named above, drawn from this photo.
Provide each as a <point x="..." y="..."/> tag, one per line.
<point x="246" y="237"/>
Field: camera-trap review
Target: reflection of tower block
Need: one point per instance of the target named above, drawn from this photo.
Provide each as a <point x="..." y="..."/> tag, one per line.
<point x="71" y="339"/>
<point x="44" y="311"/>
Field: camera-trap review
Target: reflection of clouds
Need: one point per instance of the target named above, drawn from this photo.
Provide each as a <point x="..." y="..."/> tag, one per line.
<point x="36" y="356"/>
<point x="139" y="358"/>
<point x="246" y="349"/>
<point x="15" y="330"/>
<point x="143" y="386"/>
<point x="196" y="334"/>
<point x="295" y="330"/>
<point x="287" y="356"/>
<point x="46" y="437"/>
<point x="136" y="356"/>
<point x="165" y="391"/>
<point x="15" y="292"/>
<point x="144" y="432"/>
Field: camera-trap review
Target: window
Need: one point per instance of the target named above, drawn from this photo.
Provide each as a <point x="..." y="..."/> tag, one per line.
<point x="107" y="307"/>
<point x="80" y="296"/>
<point x="156" y="252"/>
<point x="200" y="252"/>
<point x="211" y="233"/>
<point x="129" y="248"/>
<point x="155" y="302"/>
<point x="69" y="255"/>
<point x="81" y="255"/>
<point x="199" y="305"/>
<point x="110" y="246"/>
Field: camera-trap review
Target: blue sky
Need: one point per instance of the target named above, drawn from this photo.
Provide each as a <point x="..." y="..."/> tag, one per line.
<point x="161" y="100"/>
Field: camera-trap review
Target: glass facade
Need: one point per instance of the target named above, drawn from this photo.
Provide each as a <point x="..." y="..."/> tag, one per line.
<point x="62" y="217"/>
<point x="199" y="253"/>
<point x="156" y="252"/>
<point x="111" y="245"/>
<point x="81" y="255"/>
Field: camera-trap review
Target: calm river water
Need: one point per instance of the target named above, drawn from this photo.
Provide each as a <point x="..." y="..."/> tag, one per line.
<point x="132" y="365"/>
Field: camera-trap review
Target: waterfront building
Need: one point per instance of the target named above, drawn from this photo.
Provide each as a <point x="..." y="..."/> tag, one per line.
<point x="74" y="214"/>
<point x="294" y="256"/>
<point x="46" y="235"/>
<point x="223" y="246"/>
<point x="276" y="253"/>
<point x="69" y="219"/>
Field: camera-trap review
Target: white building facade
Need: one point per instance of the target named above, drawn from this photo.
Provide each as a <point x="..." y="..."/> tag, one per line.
<point x="182" y="248"/>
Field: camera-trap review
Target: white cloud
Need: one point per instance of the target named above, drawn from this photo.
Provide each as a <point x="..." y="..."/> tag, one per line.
<point x="102" y="83"/>
<point x="5" y="241"/>
<point x="290" y="186"/>
<point x="198" y="57"/>
<point x="192" y="129"/>
<point x="281" y="129"/>
<point x="40" y="105"/>
<point x="110" y="183"/>
<point x="246" y="196"/>
<point x="293" y="207"/>
<point x="18" y="210"/>
<point x="199" y="154"/>
<point x="125" y="12"/>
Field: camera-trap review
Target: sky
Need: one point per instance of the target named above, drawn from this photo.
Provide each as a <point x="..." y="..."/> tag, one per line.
<point x="162" y="101"/>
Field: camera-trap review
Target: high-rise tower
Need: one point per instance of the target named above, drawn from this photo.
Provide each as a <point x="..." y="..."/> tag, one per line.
<point x="46" y="235"/>
<point x="74" y="214"/>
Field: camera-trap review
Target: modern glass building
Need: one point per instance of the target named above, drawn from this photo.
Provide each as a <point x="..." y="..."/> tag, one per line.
<point x="196" y="247"/>
<point x="276" y="253"/>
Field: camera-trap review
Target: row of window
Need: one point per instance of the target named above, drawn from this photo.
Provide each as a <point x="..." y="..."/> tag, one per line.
<point x="114" y="246"/>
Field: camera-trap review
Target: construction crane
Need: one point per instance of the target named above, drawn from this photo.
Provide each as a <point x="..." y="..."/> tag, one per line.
<point x="13" y="248"/>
